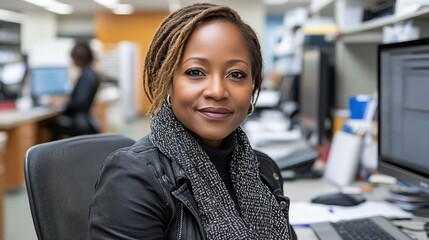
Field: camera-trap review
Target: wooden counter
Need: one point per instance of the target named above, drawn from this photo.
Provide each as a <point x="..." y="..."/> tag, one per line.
<point x="3" y="140"/>
<point x="21" y="128"/>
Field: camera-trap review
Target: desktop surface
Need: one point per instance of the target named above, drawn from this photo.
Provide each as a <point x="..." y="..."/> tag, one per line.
<point x="302" y="191"/>
<point x="13" y="117"/>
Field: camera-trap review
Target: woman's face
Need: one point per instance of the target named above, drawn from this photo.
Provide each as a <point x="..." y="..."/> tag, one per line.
<point x="212" y="87"/>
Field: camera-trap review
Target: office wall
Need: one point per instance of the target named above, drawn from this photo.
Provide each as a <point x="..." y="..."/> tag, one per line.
<point x="251" y="11"/>
<point x="356" y="72"/>
<point x="38" y="26"/>
<point x="138" y="27"/>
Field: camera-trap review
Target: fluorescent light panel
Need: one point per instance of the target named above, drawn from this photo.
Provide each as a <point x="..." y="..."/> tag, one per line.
<point x="41" y="3"/>
<point x="10" y="16"/>
<point x="107" y="3"/>
<point x="60" y="8"/>
<point x="53" y="6"/>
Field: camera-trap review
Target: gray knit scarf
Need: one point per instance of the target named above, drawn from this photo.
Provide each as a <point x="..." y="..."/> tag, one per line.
<point x="261" y="216"/>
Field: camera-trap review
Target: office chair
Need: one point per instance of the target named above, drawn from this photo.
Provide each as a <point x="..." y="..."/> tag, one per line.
<point x="60" y="177"/>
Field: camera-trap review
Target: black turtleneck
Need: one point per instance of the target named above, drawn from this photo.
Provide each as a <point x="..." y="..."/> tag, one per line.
<point x="220" y="158"/>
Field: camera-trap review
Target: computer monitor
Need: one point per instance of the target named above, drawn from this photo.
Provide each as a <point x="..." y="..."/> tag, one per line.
<point x="315" y="90"/>
<point x="403" y="83"/>
<point x="47" y="81"/>
<point x="12" y="76"/>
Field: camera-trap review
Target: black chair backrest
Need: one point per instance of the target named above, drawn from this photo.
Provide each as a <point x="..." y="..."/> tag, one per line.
<point x="60" y="177"/>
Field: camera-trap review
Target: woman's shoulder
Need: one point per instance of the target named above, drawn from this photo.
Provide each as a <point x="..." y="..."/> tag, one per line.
<point x="136" y="156"/>
<point x="266" y="162"/>
<point x="269" y="171"/>
<point x="141" y="157"/>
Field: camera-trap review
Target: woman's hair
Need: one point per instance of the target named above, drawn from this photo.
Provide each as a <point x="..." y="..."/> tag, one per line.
<point x="83" y="53"/>
<point x="165" y="52"/>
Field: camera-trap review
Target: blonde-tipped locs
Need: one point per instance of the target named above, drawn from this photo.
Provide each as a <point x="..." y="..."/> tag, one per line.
<point x="165" y="52"/>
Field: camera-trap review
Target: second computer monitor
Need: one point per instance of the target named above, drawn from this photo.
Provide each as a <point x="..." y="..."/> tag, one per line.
<point x="403" y="101"/>
<point x="315" y="93"/>
<point x="47" y="81"/>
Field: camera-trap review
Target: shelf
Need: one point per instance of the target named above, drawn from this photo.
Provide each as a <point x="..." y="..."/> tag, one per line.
<point x="363" y="37"/>
<point x="377" y="24"/>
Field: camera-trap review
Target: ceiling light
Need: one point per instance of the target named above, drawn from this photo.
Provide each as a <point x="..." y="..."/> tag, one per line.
<point x="60" y="8"/>
<point x="10" y="16"/>
<point x="123" y="9"/>
<point x="41" y="3"/>
<point x="107" y="3"/>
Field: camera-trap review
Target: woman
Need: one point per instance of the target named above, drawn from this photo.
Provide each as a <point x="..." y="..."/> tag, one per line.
<point x="195" y="176"/>
<point x="77" y="118"/>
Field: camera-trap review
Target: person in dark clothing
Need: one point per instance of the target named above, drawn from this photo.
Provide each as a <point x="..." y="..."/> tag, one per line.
<point x="77" y="118"/>
<point x="195" y="175"/>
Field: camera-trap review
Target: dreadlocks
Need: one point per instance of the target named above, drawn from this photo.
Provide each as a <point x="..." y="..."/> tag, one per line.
<point x="165" y="52"/>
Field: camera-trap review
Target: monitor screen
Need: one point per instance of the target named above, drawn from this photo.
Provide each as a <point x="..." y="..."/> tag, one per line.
<point x="314" y="94"/>
<point x="49" y="81"/>
<point x="12" y="76"/>
<point x="404" y="111"/>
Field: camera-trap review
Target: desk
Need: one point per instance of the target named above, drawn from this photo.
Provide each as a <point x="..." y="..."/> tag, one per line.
<point x="304" y="190"/>
<point x="22" y="128"/>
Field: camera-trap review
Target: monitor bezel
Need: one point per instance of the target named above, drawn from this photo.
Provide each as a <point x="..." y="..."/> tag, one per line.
<point x="388" y="165"/>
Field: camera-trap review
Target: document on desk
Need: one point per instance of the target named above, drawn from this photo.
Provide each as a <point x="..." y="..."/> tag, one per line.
<point x="303" y="213"/>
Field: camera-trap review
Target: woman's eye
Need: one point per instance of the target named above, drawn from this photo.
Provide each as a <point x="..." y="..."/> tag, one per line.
<point x="237" y="75"/>
<point x="195" y="73"/>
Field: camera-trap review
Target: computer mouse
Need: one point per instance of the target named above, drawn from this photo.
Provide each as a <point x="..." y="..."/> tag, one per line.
<point x="339" y="199"/>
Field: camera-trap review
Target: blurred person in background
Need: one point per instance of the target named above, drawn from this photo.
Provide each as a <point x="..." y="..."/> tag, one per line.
<point x="77" y="118"/>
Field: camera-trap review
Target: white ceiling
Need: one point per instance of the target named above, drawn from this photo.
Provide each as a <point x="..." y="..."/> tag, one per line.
<point x="90" y="7"/>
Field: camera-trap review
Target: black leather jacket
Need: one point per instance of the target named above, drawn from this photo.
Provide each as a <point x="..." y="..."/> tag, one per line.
<point x="141" y="194"/>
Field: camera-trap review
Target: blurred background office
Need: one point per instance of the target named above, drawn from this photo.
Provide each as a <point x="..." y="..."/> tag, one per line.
<point x="320" y="71"/>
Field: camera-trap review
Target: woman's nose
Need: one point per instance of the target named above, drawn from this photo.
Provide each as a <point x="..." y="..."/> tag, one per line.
<point x="216" y="88"/>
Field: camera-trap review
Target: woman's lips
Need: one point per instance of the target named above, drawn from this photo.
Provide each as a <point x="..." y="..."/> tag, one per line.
<point x="216" y="114"/>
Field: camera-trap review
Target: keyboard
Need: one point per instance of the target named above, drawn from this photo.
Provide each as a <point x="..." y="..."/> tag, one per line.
<point x="372" y="228"/>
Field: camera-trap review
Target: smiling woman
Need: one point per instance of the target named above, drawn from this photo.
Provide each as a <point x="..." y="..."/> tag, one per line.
<point x="195" y="176"/>
<point x="212" y="87"/>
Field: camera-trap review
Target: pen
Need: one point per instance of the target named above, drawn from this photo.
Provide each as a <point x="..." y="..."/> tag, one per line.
<point x="301" y="225"/>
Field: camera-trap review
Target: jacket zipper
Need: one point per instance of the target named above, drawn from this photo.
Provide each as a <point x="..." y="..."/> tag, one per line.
<point x="180" y="221"/>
